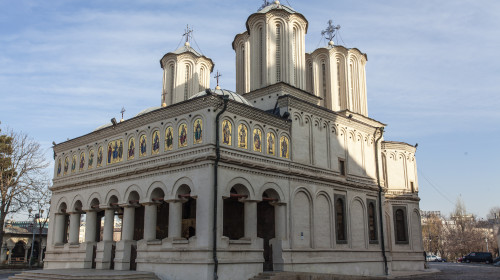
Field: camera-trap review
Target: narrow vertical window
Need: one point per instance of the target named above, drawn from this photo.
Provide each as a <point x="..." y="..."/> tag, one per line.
<point x="171" y="83"/>
<point x="338" y="84"/>
<point x="294" y="46"/>
<point x="323" y="75"/>
<point x="412" y="187"/>
<point x="342" y="167"/>
<point x="400" y="226"/>
<point x="372" y="222"/>
<point x="278" y="53"/>
<point x="311" y="81"/>
<point x="261" y="56"/>
<point x="186" y="83"/>
<point x="202" y="79"/>
<point x="339" y="220"/>
<point x="351" y="68"/>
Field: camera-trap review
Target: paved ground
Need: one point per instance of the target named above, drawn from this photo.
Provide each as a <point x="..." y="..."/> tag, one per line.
<point x="459" y="271"/>
<point x="5" y="273"/>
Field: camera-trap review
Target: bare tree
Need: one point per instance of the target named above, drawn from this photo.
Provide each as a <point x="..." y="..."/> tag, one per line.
<point x="22" y="173"/>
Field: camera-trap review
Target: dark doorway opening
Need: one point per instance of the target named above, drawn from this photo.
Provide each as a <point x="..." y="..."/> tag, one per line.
<point x="265" y="228"/>
<point x="189" y="218"/>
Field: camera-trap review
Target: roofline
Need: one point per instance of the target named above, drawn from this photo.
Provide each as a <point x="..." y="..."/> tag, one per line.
<point x="203" y="56"/>
<point x="257" y="13"/>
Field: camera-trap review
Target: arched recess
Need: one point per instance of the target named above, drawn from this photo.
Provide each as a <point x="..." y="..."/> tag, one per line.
<point x="233" y="212"/>
<point x="358" y="223"/>
<point x="268" y="220"/>
<point x="188" y="211"/>
<point x="323" y="221"/>
<point x="112" y="193"/>
<point x="156" y="194"/>
<point x="301" y="219"/>
<point x="180" y="182"/>
<point x="416" y="231"/>
<point x="276" y="193"/>
<point x="77" y="203"/>
<point x="62" y="209"/>
<point x="133" y="192"/>
<point x="92" y="199"/>
<point x="242" y="185"/>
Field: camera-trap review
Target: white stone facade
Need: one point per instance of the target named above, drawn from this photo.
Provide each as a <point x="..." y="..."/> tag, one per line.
<point x="291" y="183"/>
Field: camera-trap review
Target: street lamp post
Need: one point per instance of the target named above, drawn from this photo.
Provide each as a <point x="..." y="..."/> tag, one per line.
<point x="36" y="216"/>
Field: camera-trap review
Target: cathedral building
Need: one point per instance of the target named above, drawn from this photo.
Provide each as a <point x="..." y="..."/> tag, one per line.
<point x="287" y="173"/>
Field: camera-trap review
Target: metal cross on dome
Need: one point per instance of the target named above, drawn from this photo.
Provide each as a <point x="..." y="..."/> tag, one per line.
<point x="217" y="77"/>
<point x="187" y="33"/>
<point x="266" y="3"/>
<point x="330" y="31"/>
<point x="122" y="111"/>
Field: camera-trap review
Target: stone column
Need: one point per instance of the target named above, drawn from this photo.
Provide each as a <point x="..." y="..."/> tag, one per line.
<point x="109" y="221"/>
<point x="90" y="226"/>
<point x="74" y="228"/>
<point x="10" y="254"/>
<point x="175" y="218"/>
<point x="250" y="215"/>
<point x="3" y="254"/>
<point x="128" y="223"/>
<point x="26" y="249"/>
<point x="59" y="230"/>
<point x="150" y="221"/>
<point x="280" y="220"/>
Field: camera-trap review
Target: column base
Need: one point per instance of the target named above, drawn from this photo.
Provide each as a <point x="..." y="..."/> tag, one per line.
<point x="103" y="254"/>
<point x="123" y="254"/>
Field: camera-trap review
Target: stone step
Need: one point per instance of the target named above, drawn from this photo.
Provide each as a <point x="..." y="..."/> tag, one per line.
<point x="83" y="274"/>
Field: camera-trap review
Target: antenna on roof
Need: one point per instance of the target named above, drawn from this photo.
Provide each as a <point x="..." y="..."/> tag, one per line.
<point x="330" y="32"/>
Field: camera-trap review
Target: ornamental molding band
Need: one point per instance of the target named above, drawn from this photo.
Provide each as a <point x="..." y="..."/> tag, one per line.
<point x="289" y="162"/>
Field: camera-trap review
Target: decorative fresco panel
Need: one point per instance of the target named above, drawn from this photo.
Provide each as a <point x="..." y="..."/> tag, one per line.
<point x="90" y="164"/>
<point x="82" y="161"/>
<point x="59" y="167"/>
<point x="284" y="147"/>
<point x="143" y="145"/>
<point x="155" y="143"/>
<point x="182" y="135"/>
<point x="115" y="151"/>
<point x="66" y="165"/>
<point x="198" y="131"/>
<point x="131" y="148"/>
<point x="226" y="132"/>
<point x="242" y="136"/>
<point x="257" y="140"/>
<point x="271" y="141"/>
<point x="100" y="156"/>
<point x="73" y="164"/>
<point x="169" y="138"/>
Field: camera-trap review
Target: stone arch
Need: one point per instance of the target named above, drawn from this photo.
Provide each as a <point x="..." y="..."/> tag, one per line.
<point x="302" y="213"/>
<point x="62" y="204"/>
<point x="76" y="199"/>
<point x="95" y="196"/>
<point x="357" y="223"/>
<point x="109" y="194"/>
<point x="154" y="190"/>
<point x="323" y="231"/>
<point x="416" y="231"/>
<point x="277" y="191"/>
<point x="242" y="186"/>
<point x="298" y="117"/>
<point x="130" y="195"/>
<point x="179" y="183"/>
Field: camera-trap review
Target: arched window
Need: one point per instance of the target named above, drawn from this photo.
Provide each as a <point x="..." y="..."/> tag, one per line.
<point x="186" y="82"/>
<point x="310" y="79"/>
<point x="323" y="76"/>
<point x="278" y="53"/>
<point x="372" y="221"/>
<point x="171" y="83"/>
<point x="261" y="56"/>
<point x="338" y="85"/>
<point x="400" y="225"/>
<point x="202" y="79"/>
<point x="233" y="215"/>
<point x="340" y="219"/>
<point x="294" y="50"/>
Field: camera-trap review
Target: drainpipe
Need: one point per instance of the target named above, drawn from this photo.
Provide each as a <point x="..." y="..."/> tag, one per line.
<point x="382" y="241"/>
<point x="225" y="98"/>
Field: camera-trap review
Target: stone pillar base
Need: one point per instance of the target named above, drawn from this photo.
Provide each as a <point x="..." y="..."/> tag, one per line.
<point x="123" y="253"/>
<point x="103" y="254"/>
<point x="88" y="247"/>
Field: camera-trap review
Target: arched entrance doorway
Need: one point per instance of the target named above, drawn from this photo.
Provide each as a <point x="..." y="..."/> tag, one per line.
<point x="266" y="225"/>
<point x="18" y="252"/>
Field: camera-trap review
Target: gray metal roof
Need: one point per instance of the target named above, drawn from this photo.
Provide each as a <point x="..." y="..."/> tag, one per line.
<point x="186" y="48"/>
<point x="276" y="6"/>
<point x="232" y="95"/>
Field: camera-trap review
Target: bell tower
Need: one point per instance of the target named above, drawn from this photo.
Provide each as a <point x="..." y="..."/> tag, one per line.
<point x="185" y="73"/>
<point x="272" y="49"/>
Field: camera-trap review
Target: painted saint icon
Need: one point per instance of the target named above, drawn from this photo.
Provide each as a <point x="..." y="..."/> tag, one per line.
<point x="142" y="146"/>
<point x="100" y="156"/>
<point x="91" y="160"/>
<point x="198" y="131"/>
<point x="66" y="165"/>
<point x="242" y="136"/>
<point x="257" y="140"/>
<point x="183" y="135"/>
<point x="270" y="143"/>
<point x="82" y="161"/>
<point x="169" y="138"/>
<point x="73" y="164"/>
<point x="110" y="152"/>
<point x="226" y="132"/>
<point x="120" y="151"/>
<point x="131" y="148"/>
<point x="284" y="147"/>
<point x="59" y="167"/>
<point x="156" y="142"/>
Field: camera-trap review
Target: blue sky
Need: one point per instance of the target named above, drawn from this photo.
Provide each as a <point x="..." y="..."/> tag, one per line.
<point x="67" y="67"/>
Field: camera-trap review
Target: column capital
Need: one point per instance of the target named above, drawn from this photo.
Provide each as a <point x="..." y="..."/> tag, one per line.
<point x="127" y="205"/>
<point x="278" y="203"/>
<point x="248" y="200"/>
<point x="151" y="203"/>
<point x="181" y="200"/>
